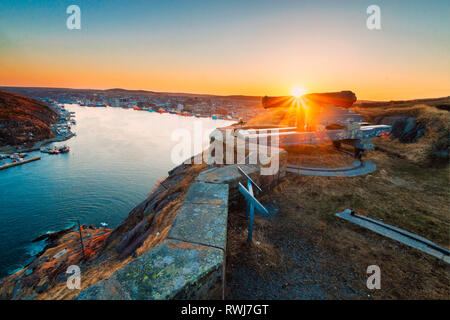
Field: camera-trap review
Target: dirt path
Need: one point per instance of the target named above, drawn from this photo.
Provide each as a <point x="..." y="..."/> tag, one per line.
<point x="282" y="263"/>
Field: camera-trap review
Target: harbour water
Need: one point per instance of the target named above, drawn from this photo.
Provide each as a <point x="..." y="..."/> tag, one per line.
<point x="114" y="161"/>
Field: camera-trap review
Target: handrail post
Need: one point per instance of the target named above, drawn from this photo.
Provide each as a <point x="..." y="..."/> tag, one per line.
<point x="250" y="223"/>
<point x="251" y="203"/>
<point x="81" y="240"/>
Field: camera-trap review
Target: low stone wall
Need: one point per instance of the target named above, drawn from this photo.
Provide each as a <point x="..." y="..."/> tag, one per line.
<point x="190" y="263"/>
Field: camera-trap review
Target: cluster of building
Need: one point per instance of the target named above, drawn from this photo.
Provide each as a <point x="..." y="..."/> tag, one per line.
<point x="62" y="127"/>
<point x="218" y="107"/>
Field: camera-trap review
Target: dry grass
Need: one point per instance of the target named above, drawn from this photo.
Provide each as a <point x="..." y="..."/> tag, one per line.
<point x="410" y="189"/>
<point x="436" y="123"/>
<point x="320" y="155"/>
<point x="262" y="255"/>
<point x="399" y="193"/>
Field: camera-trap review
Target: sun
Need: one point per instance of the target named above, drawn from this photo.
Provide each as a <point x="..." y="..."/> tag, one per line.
<point x="298" y="92"/>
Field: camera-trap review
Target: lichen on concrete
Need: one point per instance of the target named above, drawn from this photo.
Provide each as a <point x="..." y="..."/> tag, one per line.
<point x="227" y="174"/>
<point x="202" y="218"/>
<point x="167" y="271"/>
<point x="201" y="223"/>
<point x="207" y="193"/>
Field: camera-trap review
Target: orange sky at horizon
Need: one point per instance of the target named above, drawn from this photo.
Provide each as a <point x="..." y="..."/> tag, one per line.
<point x="397" y="87"/>
<point x="224" y="51"/>
<point x="80" y="71"/>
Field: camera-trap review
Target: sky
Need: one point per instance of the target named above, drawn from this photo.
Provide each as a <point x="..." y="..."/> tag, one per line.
<point x="250" y="47"/>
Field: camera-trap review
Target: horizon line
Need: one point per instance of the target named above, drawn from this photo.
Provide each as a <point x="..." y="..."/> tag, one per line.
<point x="207" y="94"/>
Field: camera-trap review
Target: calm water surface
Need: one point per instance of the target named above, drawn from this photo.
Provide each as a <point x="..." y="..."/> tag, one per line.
<point x="115" y="159"/>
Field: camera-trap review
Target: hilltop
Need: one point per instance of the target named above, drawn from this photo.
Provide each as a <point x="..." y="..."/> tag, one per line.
<point x="130" y="92"/>
<point x="420" y="128"/>
<point x="24" y="120"/>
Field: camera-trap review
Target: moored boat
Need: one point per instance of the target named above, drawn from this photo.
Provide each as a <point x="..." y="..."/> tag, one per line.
<point x="64" y="149"/>
<point x="55" y="149"/>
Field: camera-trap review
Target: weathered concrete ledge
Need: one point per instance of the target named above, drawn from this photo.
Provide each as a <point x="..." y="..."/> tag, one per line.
<point x="171" y="270"/>
<point x="230" y="176"/>
<point x="189" y="264"/>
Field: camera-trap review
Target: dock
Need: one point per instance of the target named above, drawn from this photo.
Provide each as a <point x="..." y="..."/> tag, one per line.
<point x="14" y="164"/>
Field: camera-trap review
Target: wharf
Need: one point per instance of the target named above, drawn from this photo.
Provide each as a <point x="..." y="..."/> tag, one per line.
<point x="14" y="164"/>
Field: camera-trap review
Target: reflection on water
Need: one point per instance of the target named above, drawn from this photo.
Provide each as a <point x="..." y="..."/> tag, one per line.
<point x="115" y="159"/>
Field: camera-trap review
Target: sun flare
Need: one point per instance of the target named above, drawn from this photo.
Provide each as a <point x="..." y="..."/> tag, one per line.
<point x="298" y="92"/>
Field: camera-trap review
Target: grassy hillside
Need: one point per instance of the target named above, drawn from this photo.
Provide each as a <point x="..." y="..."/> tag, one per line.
<point x="432" y="116"/>
<point x="24" y="120"/>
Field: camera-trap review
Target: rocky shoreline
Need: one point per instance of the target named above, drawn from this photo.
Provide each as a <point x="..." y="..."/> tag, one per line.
<point x="106" y="249"/>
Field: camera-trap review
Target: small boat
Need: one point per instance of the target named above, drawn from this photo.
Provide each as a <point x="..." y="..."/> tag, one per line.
<point x="64" y="149"/>
<point x="55" y="149"/>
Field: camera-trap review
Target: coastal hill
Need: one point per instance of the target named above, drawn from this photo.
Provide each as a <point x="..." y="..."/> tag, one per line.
<point x="24" y="120"/>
